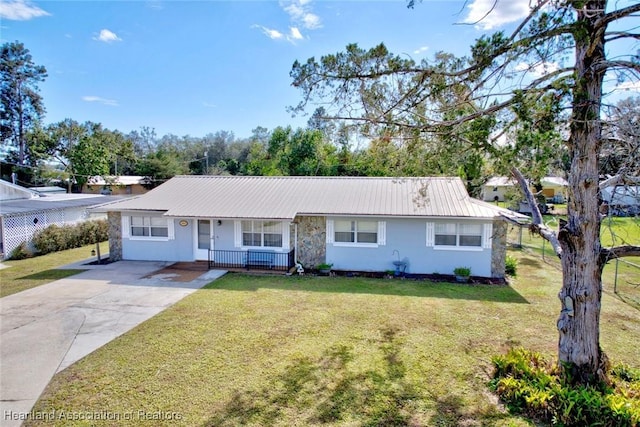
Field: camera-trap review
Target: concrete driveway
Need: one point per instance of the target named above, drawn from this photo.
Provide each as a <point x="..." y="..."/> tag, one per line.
<point x="47" y="328"/>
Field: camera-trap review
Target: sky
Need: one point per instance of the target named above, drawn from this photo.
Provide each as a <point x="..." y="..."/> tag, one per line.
<point x="199" y="67"/>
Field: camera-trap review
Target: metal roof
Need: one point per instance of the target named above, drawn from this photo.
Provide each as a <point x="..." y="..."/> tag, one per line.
<point x="554" y="181"/>
<point x="500" y="181"/>
<point x="10" y="191"/>
<point x="117" y="180"/>
<point x="506" y="181"/>
<point x="263" y="197"/>
<point x="51" y="202"/>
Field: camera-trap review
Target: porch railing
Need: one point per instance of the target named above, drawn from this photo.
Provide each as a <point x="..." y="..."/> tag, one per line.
<point x="252" y="259"/>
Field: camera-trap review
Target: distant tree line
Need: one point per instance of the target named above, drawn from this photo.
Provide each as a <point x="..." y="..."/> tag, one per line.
<point x="67" y="153"/>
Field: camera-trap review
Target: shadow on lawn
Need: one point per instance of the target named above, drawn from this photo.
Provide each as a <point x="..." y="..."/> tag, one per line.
<point x="355" y="285"/>
<point x="331" y="390"/>
<point x="52" y="274"/>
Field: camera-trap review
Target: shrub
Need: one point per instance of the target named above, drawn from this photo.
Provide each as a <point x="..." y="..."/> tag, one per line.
<point x="20" y="252"/>
<point x="58" y="238"/>
<point x="51" y="239"/>
<point x="324" y="266"/>
<point x="462" y="271"/>
<point x="528" y="384"/>
<point x="511" y="266"/>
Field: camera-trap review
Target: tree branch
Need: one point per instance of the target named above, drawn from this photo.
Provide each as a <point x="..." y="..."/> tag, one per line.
<point x="619" y="252"/>
<point x="622" y="64"/>
<point x="618" y="14"/>
<point x="537" y="225"/>
<point x="614" y="180"/>
<point x="616" y="35"/>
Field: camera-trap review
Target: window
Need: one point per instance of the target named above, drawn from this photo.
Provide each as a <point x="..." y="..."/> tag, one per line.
<point x="149" y="226"/>
<point x="451" y="234"/>
<point x="356" y="232"/>
<point x="446" y="235"/>
<point x="262" y="233"/>
<point x="470" y="235"/>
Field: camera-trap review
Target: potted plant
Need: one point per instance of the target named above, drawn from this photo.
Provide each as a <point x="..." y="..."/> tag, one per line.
<point x="324" y="268"/>
<point x="462" y="274"/>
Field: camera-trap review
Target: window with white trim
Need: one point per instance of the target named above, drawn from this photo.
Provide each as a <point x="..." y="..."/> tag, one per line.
<point x="149" y="226"/>
<point x="458" y="234"/>
<point x="356" y="232"/>
<point x="469" y="234"/>
<point x="262" y="234"/>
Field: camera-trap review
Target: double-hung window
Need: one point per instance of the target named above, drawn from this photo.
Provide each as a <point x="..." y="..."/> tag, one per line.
<point x="262" y="234"/>
<point x="365" y="232"/>
<point x="446" y="235"/>
<point x="149" y="226"/>
<point x="470" y="235"/>
<point x="457" y="234"/>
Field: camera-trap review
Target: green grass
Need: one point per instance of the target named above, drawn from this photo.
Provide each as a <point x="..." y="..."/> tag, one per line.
<point x="614" y="231"/>
<point x="335" y="351"/>
<point x="24" y="274"/>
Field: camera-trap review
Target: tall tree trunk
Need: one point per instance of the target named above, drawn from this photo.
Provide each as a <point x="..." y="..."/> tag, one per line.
<point x="21" y="142"/>
<point x="579" y="339"/>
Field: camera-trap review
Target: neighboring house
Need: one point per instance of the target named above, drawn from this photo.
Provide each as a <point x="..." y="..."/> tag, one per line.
<point x="430" y="225"/>
<point x="45" y="191"/>
<point x="25" y="211"/>
<point x="116" y="185"/>
<point x="495" y="189"/>
<point x="553" y="188"/>
<point x="622" y="200"/>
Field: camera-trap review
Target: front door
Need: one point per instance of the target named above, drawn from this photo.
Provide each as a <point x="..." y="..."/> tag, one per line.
<point x="203" y="239"/>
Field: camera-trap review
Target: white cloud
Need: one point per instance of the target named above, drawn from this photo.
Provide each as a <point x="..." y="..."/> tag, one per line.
<point x="103" y="101"/>
<point x="538" y="70"/>
<point x="209" y="105"/>
<point x="300" y="13"/>
<point x="295" y="33"/>
<point x="300" y="17"/>
<point x="271" y="33"/>
<point x="311" y="21"/>
<point x="489" y="14"/>
<point x="420" y="50"/>
<point x="20" y="10"/>
<point x="107" y="36"/>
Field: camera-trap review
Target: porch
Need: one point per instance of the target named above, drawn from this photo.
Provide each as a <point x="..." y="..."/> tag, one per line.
<point x="256" y="259"/>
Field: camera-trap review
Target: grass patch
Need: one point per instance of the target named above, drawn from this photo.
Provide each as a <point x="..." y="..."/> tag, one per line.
<point x="20" y="275"/>
<point x="335" y="351"/>
<point x="623" y="281"/>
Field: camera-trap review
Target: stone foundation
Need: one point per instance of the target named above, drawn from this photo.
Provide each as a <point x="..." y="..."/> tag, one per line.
<point x="312" y="238"/>
<point x="115" y="235"/>
<point x="498" y="248"/>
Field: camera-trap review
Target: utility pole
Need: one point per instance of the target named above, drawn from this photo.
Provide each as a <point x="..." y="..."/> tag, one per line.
<point x="70" y="142"/>
<point x="206" y="160"/>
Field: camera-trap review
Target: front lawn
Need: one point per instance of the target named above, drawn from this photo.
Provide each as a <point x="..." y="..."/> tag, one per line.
<point x="20" y="275"/>
<point x="335" y="351"/>
<point x="623" y="278"/>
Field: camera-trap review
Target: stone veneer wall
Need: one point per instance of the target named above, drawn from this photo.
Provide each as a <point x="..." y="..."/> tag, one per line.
<point x="312" y="238"/>
<point x="498" y="248"/>
<point x="115" y="235"/>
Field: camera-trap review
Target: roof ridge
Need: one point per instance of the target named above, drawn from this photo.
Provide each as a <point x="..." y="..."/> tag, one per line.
<point x="315" y="177"/>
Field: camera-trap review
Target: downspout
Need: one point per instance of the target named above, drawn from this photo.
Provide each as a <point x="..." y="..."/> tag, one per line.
<point x="295" y="241"/>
